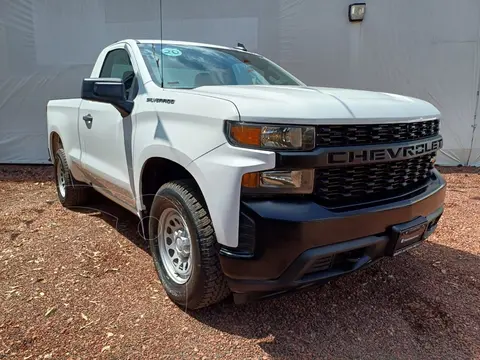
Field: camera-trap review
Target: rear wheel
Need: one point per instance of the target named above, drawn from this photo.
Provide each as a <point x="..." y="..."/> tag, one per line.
<point x="70" y="191"/>
<point x="182" y="243"/>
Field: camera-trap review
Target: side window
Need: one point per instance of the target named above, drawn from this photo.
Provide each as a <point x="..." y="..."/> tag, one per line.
<point x="117" y="64"/>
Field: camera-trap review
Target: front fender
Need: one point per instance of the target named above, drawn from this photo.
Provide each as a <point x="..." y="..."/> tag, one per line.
<point x="219" y="175"/>
<point x="155" y="151"/>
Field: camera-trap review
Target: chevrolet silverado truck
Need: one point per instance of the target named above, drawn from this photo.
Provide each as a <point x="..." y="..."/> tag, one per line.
<point x="245" y="180"/>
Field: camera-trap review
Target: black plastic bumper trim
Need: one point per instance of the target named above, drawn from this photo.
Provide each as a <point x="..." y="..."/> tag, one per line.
<point x="296" y="276"/>
<point x="284" y="229"/>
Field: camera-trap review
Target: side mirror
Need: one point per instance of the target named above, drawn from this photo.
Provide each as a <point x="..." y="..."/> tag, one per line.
<point x="110" y="91"/>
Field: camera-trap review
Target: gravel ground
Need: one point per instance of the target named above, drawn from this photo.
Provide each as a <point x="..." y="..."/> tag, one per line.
<point x="81" y="285"/>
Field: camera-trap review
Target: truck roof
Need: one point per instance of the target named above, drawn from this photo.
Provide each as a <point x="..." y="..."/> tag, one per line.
<point x="176" y="42"/>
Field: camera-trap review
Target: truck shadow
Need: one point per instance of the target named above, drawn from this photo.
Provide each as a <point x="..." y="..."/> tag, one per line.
<point x="120" y="219"/>
<point x="422" y="302"/>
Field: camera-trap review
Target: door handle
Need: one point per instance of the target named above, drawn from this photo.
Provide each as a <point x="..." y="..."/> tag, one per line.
<point x="88" y="118"/>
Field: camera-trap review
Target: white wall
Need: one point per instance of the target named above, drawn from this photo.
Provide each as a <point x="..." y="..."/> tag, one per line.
<point x="428" y="49"/>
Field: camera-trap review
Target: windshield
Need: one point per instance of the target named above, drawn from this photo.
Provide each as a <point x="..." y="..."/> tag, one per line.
<point x="188" y="67"/>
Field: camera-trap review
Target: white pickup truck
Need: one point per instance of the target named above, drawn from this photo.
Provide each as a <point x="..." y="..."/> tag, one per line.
<point x="246" y="180"/>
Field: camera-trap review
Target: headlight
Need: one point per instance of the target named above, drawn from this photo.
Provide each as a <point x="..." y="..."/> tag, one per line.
<point x="271" y="137"/>
<point x="288" y="182"/>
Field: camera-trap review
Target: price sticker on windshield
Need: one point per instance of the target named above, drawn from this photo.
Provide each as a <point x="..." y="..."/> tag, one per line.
<point x="171" y="52"/>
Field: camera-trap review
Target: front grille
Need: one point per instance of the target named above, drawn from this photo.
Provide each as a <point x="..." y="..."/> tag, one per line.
<point x="350" y="135"/>
<point x="345" y="186"/>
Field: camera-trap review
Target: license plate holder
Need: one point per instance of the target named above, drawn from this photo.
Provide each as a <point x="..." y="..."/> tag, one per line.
<point x="408" y="235"/>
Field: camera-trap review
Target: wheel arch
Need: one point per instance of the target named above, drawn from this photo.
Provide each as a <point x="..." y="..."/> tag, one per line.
<point x="55" y="142"/>
<point x="157" y="171"/>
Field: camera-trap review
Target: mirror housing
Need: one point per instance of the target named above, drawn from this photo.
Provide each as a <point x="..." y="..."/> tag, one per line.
<point x="110" y="91"/>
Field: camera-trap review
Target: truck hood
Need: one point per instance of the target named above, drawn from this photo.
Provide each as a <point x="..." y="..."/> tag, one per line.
<point x="281" y="104"/>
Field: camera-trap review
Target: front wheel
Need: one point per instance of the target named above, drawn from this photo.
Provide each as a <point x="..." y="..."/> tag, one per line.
<point x="182" y="243"/>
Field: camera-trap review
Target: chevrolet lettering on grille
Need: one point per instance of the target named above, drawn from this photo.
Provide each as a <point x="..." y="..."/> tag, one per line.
<point x="382" y="154"/>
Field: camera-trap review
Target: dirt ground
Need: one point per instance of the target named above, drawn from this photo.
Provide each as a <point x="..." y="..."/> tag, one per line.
<point x="81" y="285"/>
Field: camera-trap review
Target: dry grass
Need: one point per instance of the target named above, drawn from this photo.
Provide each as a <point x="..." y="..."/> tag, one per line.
<point x="81" y="285"/>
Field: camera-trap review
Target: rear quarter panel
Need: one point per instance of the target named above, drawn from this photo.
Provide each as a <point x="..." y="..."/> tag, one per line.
<point x="62" y="118"/>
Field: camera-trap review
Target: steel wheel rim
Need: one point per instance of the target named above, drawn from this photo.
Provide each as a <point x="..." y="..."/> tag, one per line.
<point x="174" y="243"/>
<point x="61" y="179"/>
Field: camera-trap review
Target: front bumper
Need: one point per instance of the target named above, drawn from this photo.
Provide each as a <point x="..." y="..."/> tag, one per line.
<point x="294" y="244"/>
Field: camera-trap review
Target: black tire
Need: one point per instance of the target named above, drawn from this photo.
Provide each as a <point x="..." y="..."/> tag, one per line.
<point x="76" y="193"/>
<point x="206" y="284"/>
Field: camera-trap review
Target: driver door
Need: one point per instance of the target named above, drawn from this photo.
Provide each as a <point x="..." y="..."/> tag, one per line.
<point x="106" y="137"/>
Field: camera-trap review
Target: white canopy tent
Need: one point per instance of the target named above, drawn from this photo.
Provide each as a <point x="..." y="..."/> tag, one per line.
<point x="428" y="49"/>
